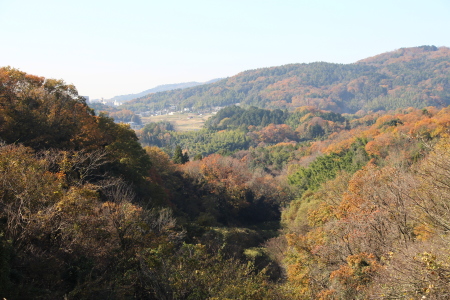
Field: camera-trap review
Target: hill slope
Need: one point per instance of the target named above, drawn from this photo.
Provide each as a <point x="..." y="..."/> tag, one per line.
<point x="416" y="77"/>
<point x="159" y="88"/>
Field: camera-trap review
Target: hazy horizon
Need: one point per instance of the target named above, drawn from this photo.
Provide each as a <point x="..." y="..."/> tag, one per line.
<point x="110" y="48"/>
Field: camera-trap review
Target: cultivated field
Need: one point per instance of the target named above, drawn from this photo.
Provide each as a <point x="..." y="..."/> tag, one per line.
<point x="181" y="121"/>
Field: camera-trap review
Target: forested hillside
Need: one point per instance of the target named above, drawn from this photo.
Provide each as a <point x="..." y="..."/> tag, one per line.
<point x="262" y="203"/>
<point x="408" y="77"/>
<point x="364" y="208"/>
<point x="87" y="213"/>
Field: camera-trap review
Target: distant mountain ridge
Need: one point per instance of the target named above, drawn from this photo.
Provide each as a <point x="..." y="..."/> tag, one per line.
<point x="407" y="77"/>
<point x="159" y="88"/>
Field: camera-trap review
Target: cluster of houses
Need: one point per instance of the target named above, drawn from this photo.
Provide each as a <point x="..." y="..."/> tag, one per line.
<point x="110" y="103"/>
<point x="171" y="110"/>
<point x="102" y="101"/>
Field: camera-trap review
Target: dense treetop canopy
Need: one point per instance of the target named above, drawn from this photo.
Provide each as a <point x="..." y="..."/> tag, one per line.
<point x="262" y="203"/>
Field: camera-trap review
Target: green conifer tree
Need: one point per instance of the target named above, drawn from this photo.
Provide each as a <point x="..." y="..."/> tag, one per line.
<point x="178" y="155"/>
<point x="185" y="158"/>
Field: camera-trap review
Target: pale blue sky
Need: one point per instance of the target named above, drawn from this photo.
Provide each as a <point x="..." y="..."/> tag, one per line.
<point x="108" y="48"/>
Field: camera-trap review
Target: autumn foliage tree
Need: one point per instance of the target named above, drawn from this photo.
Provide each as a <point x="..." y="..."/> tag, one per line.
<point x="373" y="236"/>
<point x="84" y="213"/>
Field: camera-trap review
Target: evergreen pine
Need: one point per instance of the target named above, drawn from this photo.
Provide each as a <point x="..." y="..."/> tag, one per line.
<point x="185" y="158"/>
<point x="178" y="155"/>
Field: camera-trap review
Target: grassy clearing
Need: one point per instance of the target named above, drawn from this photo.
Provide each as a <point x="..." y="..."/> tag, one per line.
<point x="181" y="121"/>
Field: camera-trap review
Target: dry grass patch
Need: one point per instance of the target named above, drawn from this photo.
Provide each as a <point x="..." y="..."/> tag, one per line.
<point x="181" y="121"/>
